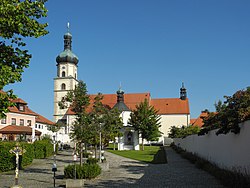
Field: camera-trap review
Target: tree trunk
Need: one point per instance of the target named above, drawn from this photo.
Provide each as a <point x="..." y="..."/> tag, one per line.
<point x="142" y="144"/>
<point x="80" y="154"/>
<point x="85" y="146"/>
<point x="96" y="151"/>
<point x="114" y="145"/>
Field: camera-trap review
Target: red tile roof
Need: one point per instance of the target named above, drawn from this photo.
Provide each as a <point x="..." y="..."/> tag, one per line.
<point x="171" y="106"/>
<point x="26" y="111"/>
<point x="41" y="119"/>
<point x="192" y="121"/>
<point x="130" y="99"/>
<point x="14" y="129"/>
<point x="199" y="121"/>
<point x="14" y="109"/>
<point x="165" y="106"/>
<point x="19" y="100"/>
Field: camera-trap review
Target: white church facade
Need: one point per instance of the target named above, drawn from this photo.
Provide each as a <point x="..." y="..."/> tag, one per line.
<point x="173" y="111"/>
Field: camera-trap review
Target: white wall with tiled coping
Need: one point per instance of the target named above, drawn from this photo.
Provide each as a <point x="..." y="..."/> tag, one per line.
<point x="226" y="150"/>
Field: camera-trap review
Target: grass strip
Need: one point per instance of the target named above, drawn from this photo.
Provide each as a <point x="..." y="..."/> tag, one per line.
<point x="151" y="154"/>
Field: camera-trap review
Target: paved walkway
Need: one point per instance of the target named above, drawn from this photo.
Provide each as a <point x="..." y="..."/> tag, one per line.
<point x="123" y="173"/>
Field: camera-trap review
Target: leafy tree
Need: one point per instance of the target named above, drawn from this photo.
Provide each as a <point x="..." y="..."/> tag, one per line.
<point x="236" y="109"/>
<point x="19" y="19"/>
<point x="146" y="121"/>
<point x="182" y="132"/>
<point x="104" y="120"/>
<point x="78" y="100"/>
<point x="112" y="125"/>
<point x="97" y="120"/>
<point x="56" y="127"/>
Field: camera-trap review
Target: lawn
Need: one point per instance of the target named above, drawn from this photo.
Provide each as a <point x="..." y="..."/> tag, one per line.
<point x="151" y="154"/>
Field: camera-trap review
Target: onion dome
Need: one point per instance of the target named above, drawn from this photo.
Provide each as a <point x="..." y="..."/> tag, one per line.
<point x="183" y="92"/>
<point x="67" y="55"/>
<point x="120" y="105"/>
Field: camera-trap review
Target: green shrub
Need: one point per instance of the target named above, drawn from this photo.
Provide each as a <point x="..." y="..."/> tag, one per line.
<point x="85" y="154"/>
<point x="28" y="156"/>
<point x="86" y="171"/>
<point x="43" y="149"/>
<point x="8" y="160"/>
<point x="92" y="160"/>
<point x="39" y="149"/>
<point x="92" y="171"/>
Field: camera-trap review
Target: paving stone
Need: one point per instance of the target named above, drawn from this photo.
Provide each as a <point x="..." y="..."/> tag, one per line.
<point x="123" y="172"/>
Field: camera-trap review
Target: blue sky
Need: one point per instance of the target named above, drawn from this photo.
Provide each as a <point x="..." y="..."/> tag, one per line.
<point x="147" y="45"/>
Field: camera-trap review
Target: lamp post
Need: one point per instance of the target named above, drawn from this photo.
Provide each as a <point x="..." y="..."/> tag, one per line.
<point x="54" y="168"/>
<point x="75" y="159"/>
<point x="100" y="147"/>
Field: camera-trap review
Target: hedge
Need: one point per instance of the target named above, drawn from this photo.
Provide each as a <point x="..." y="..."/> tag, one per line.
<point x="43" y="149"/>
<point x="40" y="149"/>
<point x="28" y="156"/>
<point x="86" y="171"/>
<point x="8" y="160"/>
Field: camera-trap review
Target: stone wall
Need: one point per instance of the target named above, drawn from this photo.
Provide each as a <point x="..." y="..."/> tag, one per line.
<point x="228" y="151"/>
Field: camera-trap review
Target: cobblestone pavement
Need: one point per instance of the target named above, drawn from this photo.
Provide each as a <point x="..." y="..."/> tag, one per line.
<point x="123" y="173"/>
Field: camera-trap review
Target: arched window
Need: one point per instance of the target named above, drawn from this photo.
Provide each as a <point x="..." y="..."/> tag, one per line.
<point x="75" y="75"/>
<point x="63" y="73"/>
<point x="63" y="86"/>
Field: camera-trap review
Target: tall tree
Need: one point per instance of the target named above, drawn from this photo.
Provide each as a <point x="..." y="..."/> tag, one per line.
<point x="78" y="100"/>
<point x="146" y="121"/>
<point x="105" y="120"/>
<point x="112" y="125"/>
<point x="19" y="19"/>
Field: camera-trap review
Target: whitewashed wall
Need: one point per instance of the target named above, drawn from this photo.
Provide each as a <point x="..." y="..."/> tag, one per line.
<point x="227" y="151"/>
<point x="167" y="121"/>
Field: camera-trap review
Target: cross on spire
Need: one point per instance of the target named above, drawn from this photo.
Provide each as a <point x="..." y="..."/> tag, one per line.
<point x="68" y="26"/>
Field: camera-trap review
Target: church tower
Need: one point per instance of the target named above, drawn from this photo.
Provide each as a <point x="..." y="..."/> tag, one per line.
<point x="66" y="78"/>
<point x="183" y="92"/>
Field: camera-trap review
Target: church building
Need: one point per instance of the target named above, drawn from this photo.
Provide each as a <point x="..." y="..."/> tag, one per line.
<point x="173" y="111"/>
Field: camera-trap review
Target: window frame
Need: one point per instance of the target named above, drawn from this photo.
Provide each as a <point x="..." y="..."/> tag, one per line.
<point x="13" y="121"/>
<point x="21" y="120"/>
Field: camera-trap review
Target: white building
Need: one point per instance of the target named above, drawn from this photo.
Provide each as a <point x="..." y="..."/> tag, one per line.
<point x="173" y="111"/>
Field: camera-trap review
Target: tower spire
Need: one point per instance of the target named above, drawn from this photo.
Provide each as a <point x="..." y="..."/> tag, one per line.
<point x="67" y="55"/>
<point x="183" y="92"/>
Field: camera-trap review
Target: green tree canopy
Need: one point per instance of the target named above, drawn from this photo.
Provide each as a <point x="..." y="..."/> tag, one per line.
<point x="184" y="131"/>
<point x="146" y="121"/>
<point x="19" y="19"/>
<point x="234" y="110"/>
<point x="78" y="100"/>
<point x="104" y="120"/>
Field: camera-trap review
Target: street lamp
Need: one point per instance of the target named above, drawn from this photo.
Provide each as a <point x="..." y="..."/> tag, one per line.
<point x="75" y="159"/>
<point x="100" y="147"/>
<point x="54" y="168"/>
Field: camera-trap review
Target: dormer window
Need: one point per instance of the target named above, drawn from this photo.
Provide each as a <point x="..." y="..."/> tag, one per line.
<point x="21" y="107"/>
